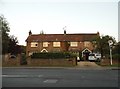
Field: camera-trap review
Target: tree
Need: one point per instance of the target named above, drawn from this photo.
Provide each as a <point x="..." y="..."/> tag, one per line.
<point x="101" y="44"/>
<point x="4" y="29"/>
<point x="9" y="43"/>
<point x="13" y="46"/>
<point x="116" y="49"/>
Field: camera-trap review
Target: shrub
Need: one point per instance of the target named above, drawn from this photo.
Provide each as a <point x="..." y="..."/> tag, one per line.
<point x="23" y="59"/>
<point x="116" y="56"/>
<point x="51" y="55"/>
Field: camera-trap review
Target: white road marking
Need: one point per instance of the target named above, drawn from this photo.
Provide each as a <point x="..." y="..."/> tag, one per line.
<point x="40" y="75"/>
<point x="50" y="81"/>
<point x="21" y="76"/>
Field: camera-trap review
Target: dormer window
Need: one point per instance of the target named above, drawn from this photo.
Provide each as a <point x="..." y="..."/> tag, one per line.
<point x="34" y="44"/>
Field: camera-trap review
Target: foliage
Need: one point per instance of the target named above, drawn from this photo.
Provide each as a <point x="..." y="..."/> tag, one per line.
<point x="101" y="44"/>
<point x="4" y="29"/>
<point x="54" y="55"/>
<point x="23" y="59"/>
<point x="116" y="49"/>
<point x="13" y="48"/>
<point x="23" y="48"/>
<point x="116" y="56"/>
<point x="9" y="43"/>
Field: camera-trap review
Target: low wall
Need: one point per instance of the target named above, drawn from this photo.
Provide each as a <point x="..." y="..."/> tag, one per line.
<point x="7" y="61"/>
<point x="51" y="62"/>
<point x="107" y="62"/>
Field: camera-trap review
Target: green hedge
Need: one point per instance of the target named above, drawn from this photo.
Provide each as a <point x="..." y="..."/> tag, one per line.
<point x="50" y="55"/>
<point x="116" y="56"/>
<point x="23" y="59"/>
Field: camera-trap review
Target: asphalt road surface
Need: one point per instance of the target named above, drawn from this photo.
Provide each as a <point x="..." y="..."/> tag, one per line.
<point x="59" y="77"/>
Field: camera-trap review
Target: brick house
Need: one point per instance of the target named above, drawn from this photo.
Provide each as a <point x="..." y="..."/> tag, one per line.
<point x="60" y="43"/>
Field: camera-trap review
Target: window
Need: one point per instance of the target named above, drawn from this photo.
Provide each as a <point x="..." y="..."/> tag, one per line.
<point x="45" y="44"/>
<point x="74" y="44"/>
<point x="86" y="43"/>
<point x="34" y="44"/>
<point x="56" y="44"/>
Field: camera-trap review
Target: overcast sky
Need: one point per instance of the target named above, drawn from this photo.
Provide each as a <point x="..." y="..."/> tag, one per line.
<point x="79" y="16"/>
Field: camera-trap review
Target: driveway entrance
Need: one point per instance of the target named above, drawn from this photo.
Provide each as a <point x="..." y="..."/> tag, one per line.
<point x="87" y="64"/>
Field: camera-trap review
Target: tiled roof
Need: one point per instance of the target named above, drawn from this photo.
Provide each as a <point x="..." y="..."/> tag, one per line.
<point x="61" y="37"/>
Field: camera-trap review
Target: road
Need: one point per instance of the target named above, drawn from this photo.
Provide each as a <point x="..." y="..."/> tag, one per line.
<point x="59" y="77"/>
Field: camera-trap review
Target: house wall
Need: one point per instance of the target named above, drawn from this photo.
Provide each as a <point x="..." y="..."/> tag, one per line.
<point x="50" y="47"/>
<point x="64" y="46"/>
<point x="89" y="45"/>
<point x="81" y="46"/>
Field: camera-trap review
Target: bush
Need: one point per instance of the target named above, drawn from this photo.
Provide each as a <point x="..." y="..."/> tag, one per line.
<point x="50" y="55"/>
<point x="23" y="59"/>
<point x="116" y="56"/>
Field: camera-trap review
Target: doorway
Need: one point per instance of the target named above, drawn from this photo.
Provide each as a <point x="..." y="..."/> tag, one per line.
<point x="85" y="54"/>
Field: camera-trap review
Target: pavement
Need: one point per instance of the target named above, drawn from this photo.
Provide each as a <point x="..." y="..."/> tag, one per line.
<point x="81" y="65"/>
<point x="92" y="65"/>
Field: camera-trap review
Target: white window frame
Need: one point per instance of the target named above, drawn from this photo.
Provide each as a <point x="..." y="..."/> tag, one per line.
<point x="56" y="44"/>
<point x="73" y="44"/>
<point x="45" y="44"/>
<point x="34" y="44"/>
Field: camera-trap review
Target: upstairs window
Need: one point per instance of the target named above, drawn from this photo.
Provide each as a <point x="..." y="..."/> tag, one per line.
<point x="73" y="44"/>
<point x="86" y="43"/>
<point x="56" y="44"/>
<point x="45" y="44"/>
<point x="34" y="44"/>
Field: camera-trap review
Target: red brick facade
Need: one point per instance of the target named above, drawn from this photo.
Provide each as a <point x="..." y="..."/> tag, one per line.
<point x="68" y="42"/>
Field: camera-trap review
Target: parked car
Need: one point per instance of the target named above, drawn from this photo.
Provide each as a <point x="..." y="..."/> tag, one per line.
<point x="94" y="57"/>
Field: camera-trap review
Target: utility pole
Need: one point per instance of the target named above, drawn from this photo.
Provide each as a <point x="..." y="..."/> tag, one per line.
<point x="110" y="46"/>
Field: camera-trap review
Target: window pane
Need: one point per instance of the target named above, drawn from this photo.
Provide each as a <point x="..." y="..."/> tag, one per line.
<point x="56" y="44"/>
<point x="34" y="44"/>
<point x="75" y="44"/>
<point x="45" y="44"/>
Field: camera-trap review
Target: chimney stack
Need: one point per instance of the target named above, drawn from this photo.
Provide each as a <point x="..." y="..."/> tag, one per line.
<point x="30" y="33"/>
<point x="98" y="33"/>
<point x="64" y="28"/>
<point x="64" y="32"/>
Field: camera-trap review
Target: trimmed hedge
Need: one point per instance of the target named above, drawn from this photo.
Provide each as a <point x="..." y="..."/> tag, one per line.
<point x="50" y="55"/>
<point x="116" y="56"/>
<point x="23" y="59"/>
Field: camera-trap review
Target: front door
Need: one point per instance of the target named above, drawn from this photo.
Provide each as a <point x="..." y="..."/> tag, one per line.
<point x="86" y="54"/>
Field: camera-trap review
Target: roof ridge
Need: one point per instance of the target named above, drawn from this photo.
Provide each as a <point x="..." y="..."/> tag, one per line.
<point x="68" y="34"/>
<point x="62" y="37"/>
